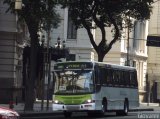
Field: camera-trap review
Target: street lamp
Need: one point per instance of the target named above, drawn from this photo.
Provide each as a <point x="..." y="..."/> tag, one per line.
<point x="58" y="42"/>
<point x="64" y="44"/>
<point x="59" y="50"/>
<point x="18" y="4"/>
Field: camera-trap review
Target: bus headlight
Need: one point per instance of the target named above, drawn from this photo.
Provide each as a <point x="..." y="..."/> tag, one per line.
<point x="89" y="101"/>
<point x="57" y="102"/>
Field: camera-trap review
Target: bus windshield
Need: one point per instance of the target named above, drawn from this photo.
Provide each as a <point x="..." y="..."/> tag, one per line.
<point x="73" y="81"/>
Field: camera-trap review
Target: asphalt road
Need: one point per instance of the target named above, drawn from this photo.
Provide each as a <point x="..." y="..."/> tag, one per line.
<point x="131" y="115"/>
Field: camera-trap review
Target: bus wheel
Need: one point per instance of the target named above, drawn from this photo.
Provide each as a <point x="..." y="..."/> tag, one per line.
<point x="123" y="112"/>
<point x="67" y="114"/>
<point x="126" y="108"/>
<point x="104" y="107"/>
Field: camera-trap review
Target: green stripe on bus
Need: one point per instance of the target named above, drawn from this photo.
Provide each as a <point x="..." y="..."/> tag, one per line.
<point x="72" y="99"/>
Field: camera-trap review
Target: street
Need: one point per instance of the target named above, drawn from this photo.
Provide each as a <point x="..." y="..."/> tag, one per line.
<point x="108" y="115"/>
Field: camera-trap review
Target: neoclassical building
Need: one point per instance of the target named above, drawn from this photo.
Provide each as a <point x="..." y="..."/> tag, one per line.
<point x="11" y="47"/>
<point x="153" y="68"/>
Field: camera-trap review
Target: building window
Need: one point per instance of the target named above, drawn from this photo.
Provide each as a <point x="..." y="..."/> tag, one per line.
<point x="72" y="31"/>
<point x="143" y="29"/>
<point x="127" y="63"/>
<point x="125" y="39"/>
<point x="71" y="57"/>
<point x="134" y="64"/>
<point x="139" y="36"/>
<point x="134" y="36"/>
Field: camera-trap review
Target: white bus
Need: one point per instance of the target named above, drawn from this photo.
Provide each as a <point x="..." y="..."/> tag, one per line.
<point x="94" y="87"/>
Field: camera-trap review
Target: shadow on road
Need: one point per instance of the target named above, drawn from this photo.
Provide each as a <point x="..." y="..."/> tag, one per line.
<point x="82" y="116"/>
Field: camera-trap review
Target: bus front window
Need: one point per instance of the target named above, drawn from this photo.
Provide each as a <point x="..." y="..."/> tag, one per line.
<point x="74" y="81"/>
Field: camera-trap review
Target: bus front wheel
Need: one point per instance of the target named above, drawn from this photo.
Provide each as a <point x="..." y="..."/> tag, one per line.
<point x="104" y="108"/>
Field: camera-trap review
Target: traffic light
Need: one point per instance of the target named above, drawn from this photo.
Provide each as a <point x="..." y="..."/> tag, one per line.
<point x="153" y="41"/>
<point x="57" y="53"/>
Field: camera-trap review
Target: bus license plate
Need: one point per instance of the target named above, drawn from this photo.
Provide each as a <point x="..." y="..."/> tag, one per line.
<point x="72" y="107"/>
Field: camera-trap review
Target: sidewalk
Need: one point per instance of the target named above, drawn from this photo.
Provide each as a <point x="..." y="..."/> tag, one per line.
<point x="36" y="111"/>
<point x="154" y="106"/>
<point x="37" y="108"/>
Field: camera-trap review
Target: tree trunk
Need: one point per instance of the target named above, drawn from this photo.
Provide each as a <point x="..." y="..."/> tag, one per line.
<point x="100" y="56"/>
<point x="30" y="84"/>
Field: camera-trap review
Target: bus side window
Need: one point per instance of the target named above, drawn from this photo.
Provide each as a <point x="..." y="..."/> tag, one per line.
<point x="132" y="80"/>
<point x="102" y="76"/>
<point x="113" y="77"/>
<point x="118" y="77"/>
<point x="121" y="80"/>
<point x="135" y="80"/>
<point x="97" y="76"/>
<point x="110" y="77"/>
<point x="106" y="76"/>
<point x="127" y="78"/>
<point x="130" y="76"/>
<point x="124" y="79"/>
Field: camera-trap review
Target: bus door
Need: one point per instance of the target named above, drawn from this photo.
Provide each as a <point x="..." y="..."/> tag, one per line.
<point x="97" y="80"/>
<point x="98" y="92"/>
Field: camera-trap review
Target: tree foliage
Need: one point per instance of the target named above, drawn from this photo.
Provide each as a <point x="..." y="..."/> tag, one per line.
<point x="42" y="11"/>
<point x="37" y="15"/>
<point x="106" y="13"/>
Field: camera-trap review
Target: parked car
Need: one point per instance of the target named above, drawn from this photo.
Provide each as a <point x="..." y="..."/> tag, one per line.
<point x="6" y="113"/>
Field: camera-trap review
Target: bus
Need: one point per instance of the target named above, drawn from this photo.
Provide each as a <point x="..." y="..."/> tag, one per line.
<point x="94" y="87"/>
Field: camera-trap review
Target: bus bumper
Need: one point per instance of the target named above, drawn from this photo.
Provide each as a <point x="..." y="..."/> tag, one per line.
<point x="82" y="107"/>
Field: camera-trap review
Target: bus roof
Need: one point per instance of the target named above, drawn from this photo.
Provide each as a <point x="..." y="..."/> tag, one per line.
<point x="115" y="65"/>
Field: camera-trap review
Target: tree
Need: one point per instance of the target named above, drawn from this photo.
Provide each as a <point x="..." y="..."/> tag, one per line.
<point x="106" y="13"/>
<point x="37" y="15"/>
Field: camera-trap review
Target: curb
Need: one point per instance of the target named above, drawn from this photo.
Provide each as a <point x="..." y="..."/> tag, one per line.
<point x="33" y="114"/>
<point x="137" y="110"/>
<point x="50" y="113"/>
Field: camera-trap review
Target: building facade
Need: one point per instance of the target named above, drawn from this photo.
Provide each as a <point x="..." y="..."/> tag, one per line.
<point x="10" y="56"/>
<point x="81" y="49"/>
<point x="153" y="68"/>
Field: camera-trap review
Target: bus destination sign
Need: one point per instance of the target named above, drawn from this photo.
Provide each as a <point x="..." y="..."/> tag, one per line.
<point x="73" y="65"/>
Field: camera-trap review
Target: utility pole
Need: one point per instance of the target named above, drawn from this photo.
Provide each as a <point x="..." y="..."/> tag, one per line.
<point x="43" y="75"/>
<point x="128" y="43"/>
<point x="48" y="61"/>
<point x="48" y="67"/>
<point x="148" y="89"/>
